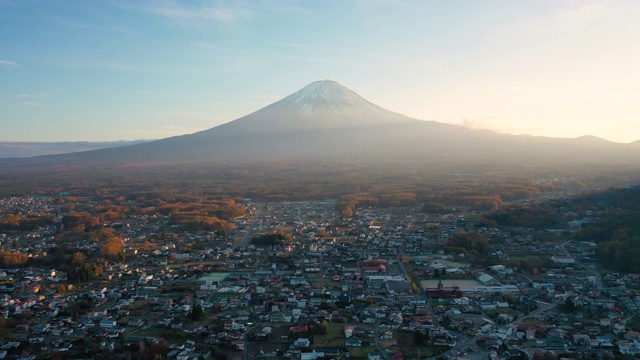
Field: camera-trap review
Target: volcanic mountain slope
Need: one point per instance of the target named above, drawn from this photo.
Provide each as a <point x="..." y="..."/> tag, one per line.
<point x="325" y="120"/>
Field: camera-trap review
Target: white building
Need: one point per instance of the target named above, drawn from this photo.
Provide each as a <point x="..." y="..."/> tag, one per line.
<point x="563" y="259"/>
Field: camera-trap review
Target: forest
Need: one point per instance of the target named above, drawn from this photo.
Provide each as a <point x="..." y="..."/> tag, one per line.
<point x="618" y="239"/>
<point x="526" y="216"/>
<point x="189" y="212"/>
<point x="613" y="222"/>
<point x="483" y="187"/>
<point x="617" y="229"/>
<point x="475" y="247"/>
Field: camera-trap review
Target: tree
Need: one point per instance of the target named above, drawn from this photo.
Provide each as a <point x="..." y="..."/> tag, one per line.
<point x="13" y="258"/>
<point x="421" y="338"/>
<point x="158" y="350"/>
<point x="325" y="324"/>
<point x="78" y="258"/>
<point x="569" y="306"/>
<point x="3" y="325"/>
<point x="113" y="247"/>
<point x="197" y="313"/>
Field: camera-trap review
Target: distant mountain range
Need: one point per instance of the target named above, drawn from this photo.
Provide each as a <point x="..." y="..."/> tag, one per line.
<point x="325" y="121"/>
<point x="20" y="149"/>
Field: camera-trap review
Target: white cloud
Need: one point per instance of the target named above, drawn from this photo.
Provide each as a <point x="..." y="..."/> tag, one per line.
<point x="22" y="99"/>
<point x="25" y="96"/>
<point x="142" y="67"/>
<point x="186" y="15"/>
<point x="75" y="24"/>
<point x="9" y="64"/>
<point x="505" y="124"/>
<point x="570" y="20"/>
<point x="154" y="93"/>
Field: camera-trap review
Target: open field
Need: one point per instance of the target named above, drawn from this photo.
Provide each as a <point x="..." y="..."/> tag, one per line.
<point x="333" y="337"/>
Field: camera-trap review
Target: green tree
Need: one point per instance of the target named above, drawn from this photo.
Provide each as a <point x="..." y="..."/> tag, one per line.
<point x="569" y="306"/>
<point x="437" y="274"/>
<point x="197" y="313"/>
<point x="421" y="338"/>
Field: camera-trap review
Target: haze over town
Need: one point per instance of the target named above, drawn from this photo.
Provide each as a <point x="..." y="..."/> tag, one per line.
<point x="114" y="70"/>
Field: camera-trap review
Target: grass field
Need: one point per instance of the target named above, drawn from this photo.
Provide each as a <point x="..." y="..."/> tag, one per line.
<point x="361" y="352"/>
<point x="333" y="337"/>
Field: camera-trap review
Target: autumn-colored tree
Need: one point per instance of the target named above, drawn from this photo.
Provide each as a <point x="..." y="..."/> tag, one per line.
<point x="103" y="235"/>
<point x="111" y="216"/>
<point x="347" y="212"/>
<point x="113" y="247"/>
<point x="80" y="220"/>
<point x="13" y="258"/>
<point x="157" y="350"/>
<point x="78" y="258"/>
<point x="61" y="289"/>
<point x="147" y="246"/>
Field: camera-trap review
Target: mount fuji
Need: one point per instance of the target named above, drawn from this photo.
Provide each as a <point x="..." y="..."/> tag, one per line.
<point x="321" y="105"/>
<point x="326" y="121"/>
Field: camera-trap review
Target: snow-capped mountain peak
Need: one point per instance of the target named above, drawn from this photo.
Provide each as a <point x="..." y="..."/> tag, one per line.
<point x="326" y="97"/>
<point x="320" y="105"/>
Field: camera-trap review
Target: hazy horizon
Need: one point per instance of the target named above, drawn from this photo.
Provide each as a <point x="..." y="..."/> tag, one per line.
<point x="116" y="70"/>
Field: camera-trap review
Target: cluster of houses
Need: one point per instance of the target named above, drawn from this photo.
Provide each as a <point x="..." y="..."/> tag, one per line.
<point x="378" y="278"/>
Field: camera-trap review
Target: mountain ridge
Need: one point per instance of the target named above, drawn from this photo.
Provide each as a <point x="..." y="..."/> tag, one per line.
<point x="23" y="149"/>
<point x="325" y="120"/>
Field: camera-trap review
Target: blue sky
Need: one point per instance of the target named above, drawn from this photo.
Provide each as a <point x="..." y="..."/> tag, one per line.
<point x="112" y="70"/>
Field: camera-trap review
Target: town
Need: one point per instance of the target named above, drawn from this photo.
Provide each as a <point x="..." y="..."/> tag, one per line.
<point x="296" y="280"/>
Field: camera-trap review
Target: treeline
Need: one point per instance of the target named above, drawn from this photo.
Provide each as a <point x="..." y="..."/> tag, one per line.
<point x="79" y="269"/>
<point x="30" y="222"/>
<point x="271" y="239"/>
<point x="84" y="215"/>
<point x="441" y="197"/>
<point x="11" y="259"/>
<point x="613" y="199"/>
<point x="618" y="238"/>
<point x="474" y="246"/>
<point x="611" y="227"/>
<point x="617" y="230"/>
<point x="537" y="217"/>
<point x="620" y="255"/>
<point x="199" y="222"/>
<point x="85" y="272"/>
<point x="202" y="214"/>
<point x="82" y="221"/>
<point x="482" y="196"/>
<point x="547" y="214"/>
<point x="348" y="204"/>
